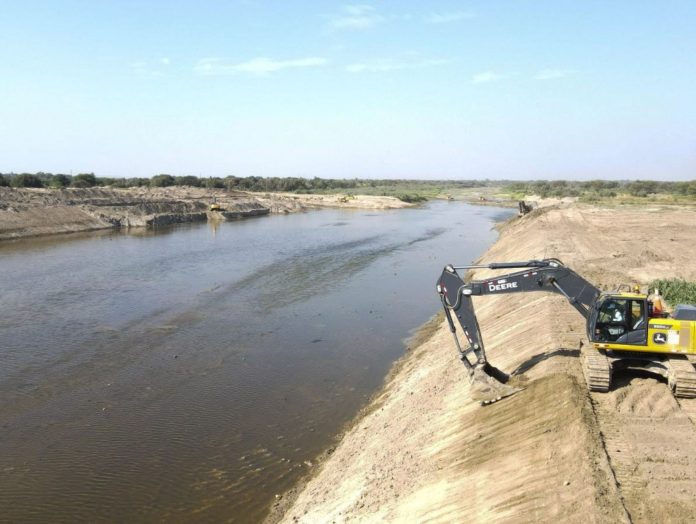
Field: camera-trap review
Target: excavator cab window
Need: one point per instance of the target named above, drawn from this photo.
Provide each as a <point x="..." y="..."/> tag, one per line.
<point x="621" y="321"/>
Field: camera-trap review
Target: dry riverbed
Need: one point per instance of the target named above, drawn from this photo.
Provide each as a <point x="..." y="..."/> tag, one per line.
<point x="423" y="451"/>
<point x="34" y="212"/>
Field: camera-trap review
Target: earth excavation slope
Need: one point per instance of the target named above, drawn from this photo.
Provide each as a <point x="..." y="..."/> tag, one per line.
<point x="28" y="212"/>
<point x="424" y="452"/>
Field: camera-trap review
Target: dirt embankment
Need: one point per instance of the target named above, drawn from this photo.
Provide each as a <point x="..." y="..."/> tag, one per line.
<point x="287" y="202"/>
<point x="32" y="212"/>
<point x="553" y="452"/>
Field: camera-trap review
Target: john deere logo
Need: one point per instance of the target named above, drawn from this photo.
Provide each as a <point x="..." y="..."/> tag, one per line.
<point x="492" y="286"/>
<point x="659" y="338"/>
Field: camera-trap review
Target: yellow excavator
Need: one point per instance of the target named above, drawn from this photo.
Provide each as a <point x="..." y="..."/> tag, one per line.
<point x="623" y="328"/>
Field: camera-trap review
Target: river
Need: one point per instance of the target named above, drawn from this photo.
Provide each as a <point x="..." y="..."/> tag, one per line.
<point x="191" y="373"/>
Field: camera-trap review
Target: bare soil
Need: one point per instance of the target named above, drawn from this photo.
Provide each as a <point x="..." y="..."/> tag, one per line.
<point x="553" y="452"/>
<point x="34" y="212"/>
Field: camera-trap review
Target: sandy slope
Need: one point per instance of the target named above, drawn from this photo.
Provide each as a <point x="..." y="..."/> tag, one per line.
<point x="285" y="200"/>
<point x="552" y="452"/>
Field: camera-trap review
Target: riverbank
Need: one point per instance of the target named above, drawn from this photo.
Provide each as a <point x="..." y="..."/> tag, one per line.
<point x="424" y="451"/>
<point x="34" y="212"/>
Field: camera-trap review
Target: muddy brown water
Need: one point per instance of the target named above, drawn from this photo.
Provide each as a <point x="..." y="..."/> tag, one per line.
<point x="189" y="374"/>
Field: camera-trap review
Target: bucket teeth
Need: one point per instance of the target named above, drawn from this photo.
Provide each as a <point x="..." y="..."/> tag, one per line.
<point x="486" y="389"/>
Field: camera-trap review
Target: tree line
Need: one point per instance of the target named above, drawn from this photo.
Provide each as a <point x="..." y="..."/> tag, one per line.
<point x="250" y="183"/>
<point x="601" y="188"/>
<point x="543" y="188"/>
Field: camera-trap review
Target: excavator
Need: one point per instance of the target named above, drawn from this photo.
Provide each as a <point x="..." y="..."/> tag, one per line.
<point x="621" y="327"/>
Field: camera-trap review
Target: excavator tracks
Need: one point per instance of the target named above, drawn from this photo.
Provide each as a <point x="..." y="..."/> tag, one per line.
<point x="680" y="373"/>
<point x="682" y="378"/>
<point x="597" y="371"/>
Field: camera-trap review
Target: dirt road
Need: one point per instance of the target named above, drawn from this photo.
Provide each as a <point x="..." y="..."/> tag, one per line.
<point x="425" y="452"/>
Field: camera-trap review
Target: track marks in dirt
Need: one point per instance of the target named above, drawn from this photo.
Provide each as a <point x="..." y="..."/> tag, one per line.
<point x="649" y="441"/>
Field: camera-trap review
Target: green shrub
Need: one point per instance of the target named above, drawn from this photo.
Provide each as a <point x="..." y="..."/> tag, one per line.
<point x="411" y="199"/>
<point x="25" y="180"/>
<point x="3" y="181"/>
<point x="59" y="181"/>
<point x="676" y="290"/>
<point x="213" y="183"/>
<point x="188" y="180"/>
<point x="84" y="180"/>
<point x="589" y="198"/>
<point x="162" y="181"/>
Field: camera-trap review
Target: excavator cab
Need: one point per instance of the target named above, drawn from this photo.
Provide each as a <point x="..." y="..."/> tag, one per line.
<point x="628" y="336"/>
<point x="619" y="319"/>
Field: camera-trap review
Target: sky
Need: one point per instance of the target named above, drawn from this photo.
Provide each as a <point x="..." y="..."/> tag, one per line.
<point x="515" y="89"/>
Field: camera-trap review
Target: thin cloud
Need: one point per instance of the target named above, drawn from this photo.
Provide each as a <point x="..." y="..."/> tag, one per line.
<point x="143" y="68"/>
<point x="486" y="76"/>
<point x="355" y="16"/>
<point x="553" y="74"/>
<point x="256" y="66"/>
<point x="358" y="9"/>
<point x="386" y="66"/>
<point x="447" y="18"/>
<point x="165" y="60"/>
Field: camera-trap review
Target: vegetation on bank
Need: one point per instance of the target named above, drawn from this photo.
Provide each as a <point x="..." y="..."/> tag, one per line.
<point x="676" y="290"/>
<point x="593" y="190"/>
<point x="406" y="190"/>
<point x="411" y="199"/>
<point x="250" y="183"/>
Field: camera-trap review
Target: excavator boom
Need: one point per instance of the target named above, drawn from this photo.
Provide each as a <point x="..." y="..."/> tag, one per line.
<point x="488" y="382"/>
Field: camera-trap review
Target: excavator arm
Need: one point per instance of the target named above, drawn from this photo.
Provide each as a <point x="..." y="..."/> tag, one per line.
<point x="488" y="382"/>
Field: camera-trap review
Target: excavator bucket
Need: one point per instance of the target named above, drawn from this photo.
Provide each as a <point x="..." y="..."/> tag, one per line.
<point x="488" y="385"/>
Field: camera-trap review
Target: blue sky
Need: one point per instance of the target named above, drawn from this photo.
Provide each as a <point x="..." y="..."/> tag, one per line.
<point x="478" y="89"/>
